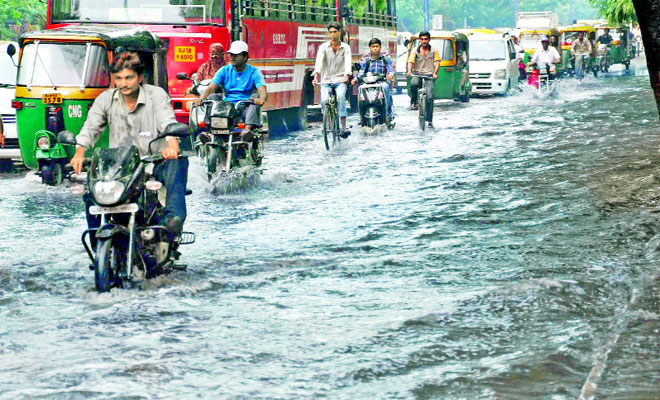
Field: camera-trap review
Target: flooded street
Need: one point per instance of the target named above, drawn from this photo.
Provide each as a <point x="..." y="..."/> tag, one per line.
<point x="511" y="253"/>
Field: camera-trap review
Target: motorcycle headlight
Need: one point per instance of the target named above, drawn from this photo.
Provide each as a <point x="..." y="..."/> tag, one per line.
<point x="219" y="123"/>
<point x="108" y="192"/>
<point x="500" y="74"/>
<point x="43" y="143"/>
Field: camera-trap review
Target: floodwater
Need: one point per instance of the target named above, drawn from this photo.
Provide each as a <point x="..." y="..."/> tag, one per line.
<point x="511" y="253"/>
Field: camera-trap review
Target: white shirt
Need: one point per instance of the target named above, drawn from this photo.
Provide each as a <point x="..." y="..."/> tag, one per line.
<point x="333" y="66"/>
<point x="550" y="56"/>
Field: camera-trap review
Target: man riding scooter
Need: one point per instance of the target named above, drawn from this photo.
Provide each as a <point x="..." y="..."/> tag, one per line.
<point x="580" y="52"/>
<point x="375" y="62"/>
<point x="546" y="55"/>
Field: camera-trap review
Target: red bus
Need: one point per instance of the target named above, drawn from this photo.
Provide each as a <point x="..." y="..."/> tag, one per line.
<point x="282" y="35"/>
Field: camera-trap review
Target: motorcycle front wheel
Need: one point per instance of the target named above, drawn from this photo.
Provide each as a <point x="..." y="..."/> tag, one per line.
<point x="107" y="263"/>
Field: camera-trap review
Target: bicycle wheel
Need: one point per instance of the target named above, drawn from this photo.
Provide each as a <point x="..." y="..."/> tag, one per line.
<point x="329" y="122"/>
<point x="422" y="111"/>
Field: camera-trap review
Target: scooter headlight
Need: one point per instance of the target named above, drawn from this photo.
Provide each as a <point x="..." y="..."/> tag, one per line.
<point x="43" y="143"/>
<point x="108" y="192"/>
<point x="219" y="123"/>
<point x="500" y="74"/>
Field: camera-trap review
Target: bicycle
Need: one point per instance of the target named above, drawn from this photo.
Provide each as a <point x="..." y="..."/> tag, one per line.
<point x="331" y="133"/>
<point x="421" y="100"/>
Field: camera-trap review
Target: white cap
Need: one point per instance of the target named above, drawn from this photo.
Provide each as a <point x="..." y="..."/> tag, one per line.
<point x="237" y="47"/>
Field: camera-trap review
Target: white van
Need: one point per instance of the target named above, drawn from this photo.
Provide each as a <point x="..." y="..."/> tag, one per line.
<point x="7" y="94"/>
<point x="493" y="64"/>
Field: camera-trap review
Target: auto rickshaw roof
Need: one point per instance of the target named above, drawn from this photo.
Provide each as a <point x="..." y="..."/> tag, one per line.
<point x="133" y="39"/>
<point x="476" y="31"/>
<point x="577" y="28"/>
<point x="457" y="36"/>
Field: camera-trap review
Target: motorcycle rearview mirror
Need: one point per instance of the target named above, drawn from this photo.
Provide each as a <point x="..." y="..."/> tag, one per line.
<point x="182" y="76"/>
<point x="11" y="49"/>
<point x="406" y="42"/>
<point x="66" y="137"/>
<point x="175" y="129"/>
<point x="357" y="66"/>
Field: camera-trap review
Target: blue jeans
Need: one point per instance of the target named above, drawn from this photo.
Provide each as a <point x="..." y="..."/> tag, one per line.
<point x="174" y="176"/>
<point x="388" y="97"/>
<point x="340" y="89"/>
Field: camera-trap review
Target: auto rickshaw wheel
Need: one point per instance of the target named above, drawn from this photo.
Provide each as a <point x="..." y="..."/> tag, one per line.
<point x="51" y="174"/>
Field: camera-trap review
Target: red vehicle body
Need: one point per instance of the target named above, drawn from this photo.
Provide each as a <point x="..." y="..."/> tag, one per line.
<point x="282" y="36"/>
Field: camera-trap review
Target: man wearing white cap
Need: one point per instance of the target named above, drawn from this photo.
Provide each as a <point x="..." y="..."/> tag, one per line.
<point x="546" y="54"/>
<point x="239" y="80"/>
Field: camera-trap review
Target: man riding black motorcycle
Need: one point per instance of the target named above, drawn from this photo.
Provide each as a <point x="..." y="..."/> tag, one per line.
<point x="376" y="62"/>
<point x="239" y="81"/>
<point x="136" y="113"/>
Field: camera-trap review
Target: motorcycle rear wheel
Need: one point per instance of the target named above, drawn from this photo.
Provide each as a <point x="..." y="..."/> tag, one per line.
<point x="211" y="162"/>
<point x="107" y="263"/>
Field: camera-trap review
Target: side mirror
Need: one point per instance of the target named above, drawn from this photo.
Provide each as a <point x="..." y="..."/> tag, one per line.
<point x="406" y="42"/>
<point x="182" y="76"/>
<point x="357" y="66"/>
<point x="11" y="49"/>
<point x="175" y="129"/>
<point x="66" y="137"/>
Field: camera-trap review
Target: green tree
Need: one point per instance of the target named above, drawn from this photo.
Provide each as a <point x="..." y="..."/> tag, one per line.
<point x="18" y="15"/>
<point x="617" y="12"/>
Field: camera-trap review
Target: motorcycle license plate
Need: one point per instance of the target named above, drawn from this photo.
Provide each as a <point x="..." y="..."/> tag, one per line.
<point x="124" y="208"/>
<point x="51" y="98"/>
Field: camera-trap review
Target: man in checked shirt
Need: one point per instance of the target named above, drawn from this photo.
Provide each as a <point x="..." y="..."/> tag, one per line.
<point x="378" y="63"/>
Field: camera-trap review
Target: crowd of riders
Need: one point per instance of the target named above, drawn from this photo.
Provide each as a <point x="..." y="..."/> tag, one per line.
<point x="136" y="112"/>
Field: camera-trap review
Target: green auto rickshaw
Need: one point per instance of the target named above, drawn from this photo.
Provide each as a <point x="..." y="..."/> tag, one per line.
<point x="60" y="73"/>
<point x="454" y="75"/>
<point x="619" y="51"/>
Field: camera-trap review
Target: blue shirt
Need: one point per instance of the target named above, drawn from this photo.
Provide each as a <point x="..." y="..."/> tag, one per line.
<point x="239" y="85"/>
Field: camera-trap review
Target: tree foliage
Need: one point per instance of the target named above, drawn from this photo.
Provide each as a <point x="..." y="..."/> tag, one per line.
<point x="18" y="16"/>
<point x="617" y="12"/>
<point x="485" y="13"/>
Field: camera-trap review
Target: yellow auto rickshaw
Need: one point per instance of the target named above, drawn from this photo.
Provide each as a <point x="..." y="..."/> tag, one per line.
<point x="619" y="48"/>
<point x="530" y="40"/>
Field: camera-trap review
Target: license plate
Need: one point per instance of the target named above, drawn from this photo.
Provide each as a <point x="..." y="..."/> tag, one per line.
<point x="220" y="132"/>
<point x="124" y="208"/>
<point x="51" y="98"/>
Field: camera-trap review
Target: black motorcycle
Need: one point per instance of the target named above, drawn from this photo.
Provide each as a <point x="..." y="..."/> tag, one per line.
<point x="128" y="246"/>
<point x="222" y="143"/>
<point x="371" y="103"/>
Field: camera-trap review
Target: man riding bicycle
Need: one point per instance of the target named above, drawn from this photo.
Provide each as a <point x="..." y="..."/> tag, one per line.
<point x="332" y="70"/>
<point x="424" y="60"/>
<point x="239" y="81"/>
<point x="580" y="47"/>
<point x="381" y="64"/>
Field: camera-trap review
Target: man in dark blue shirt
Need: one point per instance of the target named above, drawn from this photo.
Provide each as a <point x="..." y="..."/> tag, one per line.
<point x="378" y="63"/>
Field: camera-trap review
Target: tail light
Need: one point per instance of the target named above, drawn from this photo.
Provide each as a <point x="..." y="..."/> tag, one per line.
<point x="17" y="104"/>
<point x="54" y="119"/>
<point x="241" y="125"/>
